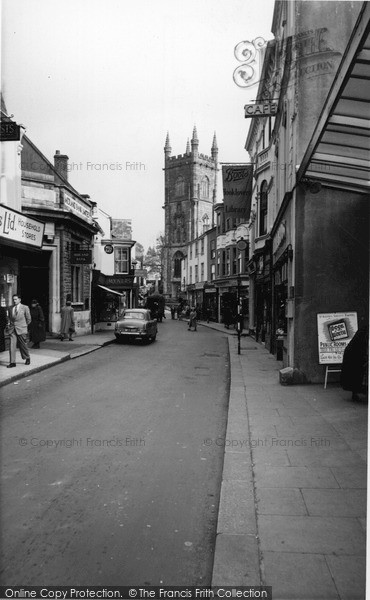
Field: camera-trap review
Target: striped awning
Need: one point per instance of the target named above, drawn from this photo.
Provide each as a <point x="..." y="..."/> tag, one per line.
<point x="338" y="154"/>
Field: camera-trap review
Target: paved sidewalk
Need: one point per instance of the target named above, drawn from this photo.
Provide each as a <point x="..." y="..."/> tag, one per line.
<point x="293" y="498"/>
<point x="52" y="352"/>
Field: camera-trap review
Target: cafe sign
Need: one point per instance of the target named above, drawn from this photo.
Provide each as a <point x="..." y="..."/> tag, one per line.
<point x="264" y="109"/>
<point x="17" y="227"/>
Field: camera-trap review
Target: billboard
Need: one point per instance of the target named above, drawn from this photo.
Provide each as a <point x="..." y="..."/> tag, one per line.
<point x="335" y="331"/>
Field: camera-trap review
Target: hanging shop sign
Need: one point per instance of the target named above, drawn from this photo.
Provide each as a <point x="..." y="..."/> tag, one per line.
<point x="237" y="190"/>
<point x="81" y="257"/>
<point x="265" y="109"/>
<point x="16" y="227"/>
<point x="9" y="131"/>
<point x="108" y="248"/>
<point x="335" y="331"/>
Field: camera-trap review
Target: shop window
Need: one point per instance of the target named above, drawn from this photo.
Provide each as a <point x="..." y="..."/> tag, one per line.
<point x="121" y="260"/>
<point x="263" y="209"/>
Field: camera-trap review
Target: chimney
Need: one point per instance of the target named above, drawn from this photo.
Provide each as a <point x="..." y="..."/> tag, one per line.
<point x="61" y="164"/>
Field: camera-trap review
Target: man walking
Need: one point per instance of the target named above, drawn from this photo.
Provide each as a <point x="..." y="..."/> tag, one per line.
<point x="20" y="318"/>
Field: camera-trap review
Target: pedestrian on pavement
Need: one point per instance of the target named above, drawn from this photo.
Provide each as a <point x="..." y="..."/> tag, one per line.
<point x="173" y="310"/>
<point x="353" y="376"/>
<point x="179" y="312"/>
<point x="3" y="324"/>
<point x="193" y="319"/>
<point x="17" y="329"/>
<point x="68" y="322"/>
<point x="37" y="325"/>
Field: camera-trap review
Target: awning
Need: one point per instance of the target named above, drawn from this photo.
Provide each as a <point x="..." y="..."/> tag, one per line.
<point x="339" y="151"/>
<point x="110" y="291"/>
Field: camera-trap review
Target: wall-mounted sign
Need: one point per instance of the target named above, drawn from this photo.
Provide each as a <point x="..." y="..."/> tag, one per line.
<point x="77" y="207"/>
<point x="9" y="131"/>
<point x="335" y="331"/>
<point x="241" y="244"/>
<point x="81" y="257"/>
<point x="108" y="248"/>
<point x="16" y="227"/>
<point x="118" y="281"/>
<point x="265" y="109"/>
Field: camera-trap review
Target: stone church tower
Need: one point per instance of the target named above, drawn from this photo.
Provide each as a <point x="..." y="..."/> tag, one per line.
<point x="190" y="194"/>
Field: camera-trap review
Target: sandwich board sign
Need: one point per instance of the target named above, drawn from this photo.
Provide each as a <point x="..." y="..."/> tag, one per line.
<point x="334" y="332"/>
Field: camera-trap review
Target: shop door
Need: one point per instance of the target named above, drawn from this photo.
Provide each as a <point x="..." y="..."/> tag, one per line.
<point x="34" y="281"/>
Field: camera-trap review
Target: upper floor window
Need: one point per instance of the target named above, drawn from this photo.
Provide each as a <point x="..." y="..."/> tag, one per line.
<point x="120" y="260"/>
<point x="202" y="246"/>
<point x="263" y="209"/>
<point x="204" y="187"/>
<point x="180" y="186"/>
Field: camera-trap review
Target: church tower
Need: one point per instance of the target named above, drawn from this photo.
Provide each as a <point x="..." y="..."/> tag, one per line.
<point x="190" y="195"/>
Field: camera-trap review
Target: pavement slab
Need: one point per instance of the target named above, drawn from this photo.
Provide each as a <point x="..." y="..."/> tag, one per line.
<point x="313" y="535"/>
<point x="297" y="576"/>
<point x="335" y="503"/>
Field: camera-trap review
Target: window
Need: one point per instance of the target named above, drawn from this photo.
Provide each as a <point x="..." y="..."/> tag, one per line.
<point x="196" y="274"/>
<point x="219" y="263"/>
<point x="180" y="186"/>
<point x="213" y="272"/>
<point x="204" y="187"/>
<point x="228" y="261"/>
<point x="177" y="267"/>
<point x="263" y="209"/>
<point x="76" y="284"/>
<point x="190" y="274"/>
<point x="202" y="271"/>
<point x="120" y="260"/>
<point x="234" y="267"/>
<point x="213" y="249"/>
<point x="202" y="246"/>
<point x="191" y="251"/>
<point x="196" y="248"/>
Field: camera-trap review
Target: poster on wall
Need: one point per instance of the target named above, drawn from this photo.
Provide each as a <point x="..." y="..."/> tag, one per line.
<point x="335" y="331"/>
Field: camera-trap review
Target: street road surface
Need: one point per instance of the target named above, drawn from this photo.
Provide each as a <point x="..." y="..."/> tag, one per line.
<point x="106" y="479"/>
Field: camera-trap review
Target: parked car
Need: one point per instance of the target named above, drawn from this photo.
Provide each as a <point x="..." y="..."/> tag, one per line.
<point x="136" y="323"/>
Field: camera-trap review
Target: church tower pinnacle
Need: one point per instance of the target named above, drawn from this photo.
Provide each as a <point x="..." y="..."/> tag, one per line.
<point x="194" y="142"/>
<point x="214" y="150"/>
<point x="167" y="147"/>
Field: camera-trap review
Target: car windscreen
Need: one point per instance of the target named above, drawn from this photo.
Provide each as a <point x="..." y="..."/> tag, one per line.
<point x="132" y="315"/>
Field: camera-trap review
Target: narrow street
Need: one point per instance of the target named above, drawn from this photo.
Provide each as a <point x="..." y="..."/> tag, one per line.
<point x="106" y="479"/>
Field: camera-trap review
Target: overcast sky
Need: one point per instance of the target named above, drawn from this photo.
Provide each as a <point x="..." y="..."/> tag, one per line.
<point x="103" y="82"/>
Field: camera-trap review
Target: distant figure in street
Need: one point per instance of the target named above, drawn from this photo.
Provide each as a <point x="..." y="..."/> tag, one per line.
<point x="355" y="363"/>
<point x="68" y="322"/>
<point x="173" y="312"/>
<point x="227" y="317"/>
<point x="19" y="319"/>
<point x="193" y="319"/>
<point x="37" y="325"/>
<point x="179" y="312"/>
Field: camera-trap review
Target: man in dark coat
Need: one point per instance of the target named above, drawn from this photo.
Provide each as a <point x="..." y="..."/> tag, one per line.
<point x="37" y="325"/>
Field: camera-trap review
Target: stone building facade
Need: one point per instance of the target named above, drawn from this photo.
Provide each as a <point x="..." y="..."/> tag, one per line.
<point x="190" y="194"/>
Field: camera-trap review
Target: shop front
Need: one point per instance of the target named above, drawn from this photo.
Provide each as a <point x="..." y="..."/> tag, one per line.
<point x="21" y="240"/>
<point x="111" y="295"/>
